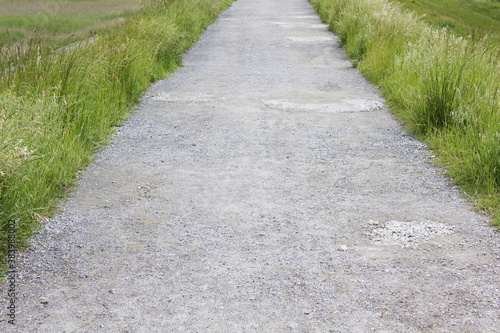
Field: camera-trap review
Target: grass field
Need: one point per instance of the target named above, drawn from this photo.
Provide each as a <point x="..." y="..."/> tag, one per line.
<point x="464" y="17"/>
<point x="59" y="21"/>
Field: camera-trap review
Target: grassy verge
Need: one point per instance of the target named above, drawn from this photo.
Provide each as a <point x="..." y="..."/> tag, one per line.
<point x="56" y="109"/>
<point x="445" y="88"/>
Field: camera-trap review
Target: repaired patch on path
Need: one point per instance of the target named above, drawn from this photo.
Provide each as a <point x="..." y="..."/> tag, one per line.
<point x="343" y="105"/>
<point x="295" y="24"/>
<point x="187" y="98"/>
<point x="408" y="234"/>
<point x="312" y="39"/>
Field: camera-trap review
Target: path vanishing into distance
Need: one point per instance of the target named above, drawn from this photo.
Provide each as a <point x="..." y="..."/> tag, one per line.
<point x="264" y="187"/>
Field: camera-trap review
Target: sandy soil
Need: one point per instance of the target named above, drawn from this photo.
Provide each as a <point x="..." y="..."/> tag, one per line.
<point x="264" y="187"/>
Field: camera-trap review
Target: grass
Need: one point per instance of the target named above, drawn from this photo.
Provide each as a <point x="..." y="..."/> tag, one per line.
<point x="443" y="86"/>
<point x="57" y="109"/>
<point x="464" y="17"/>
<point x="59" y="22"/>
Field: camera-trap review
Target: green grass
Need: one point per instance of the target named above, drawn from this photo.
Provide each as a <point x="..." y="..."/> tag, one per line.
<point x="59" y="22"/>
<point x="444" y="87"/>
<point x="57" y="109"/>
<point x="464" y="17"/>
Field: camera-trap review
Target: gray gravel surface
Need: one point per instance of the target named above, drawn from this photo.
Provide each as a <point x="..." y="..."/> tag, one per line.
<point x="264" y="187"/>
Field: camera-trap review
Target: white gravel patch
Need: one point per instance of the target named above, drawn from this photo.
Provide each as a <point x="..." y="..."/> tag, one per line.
<point x="187" y="98"/>
<point x="293" y="25"/>
<point x="341" y="106"/>
<point x="408" y="234"/>
<point x="311" y="39"/>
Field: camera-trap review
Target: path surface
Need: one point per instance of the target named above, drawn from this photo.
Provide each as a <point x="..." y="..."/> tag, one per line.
<point x="263" y="188"/>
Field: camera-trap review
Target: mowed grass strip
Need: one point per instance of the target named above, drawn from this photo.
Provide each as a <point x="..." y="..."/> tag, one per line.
<point x="463" y="17"/>
<point x="57" y="20"/>
<point x="444" y="87"/>
<point x="57" y="109"/>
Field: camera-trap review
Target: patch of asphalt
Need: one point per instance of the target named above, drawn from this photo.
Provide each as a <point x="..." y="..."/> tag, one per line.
<point x="249" y="193"/>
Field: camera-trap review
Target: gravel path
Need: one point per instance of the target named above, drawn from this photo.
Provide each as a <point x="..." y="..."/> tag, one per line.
<point x="264" y="187"/>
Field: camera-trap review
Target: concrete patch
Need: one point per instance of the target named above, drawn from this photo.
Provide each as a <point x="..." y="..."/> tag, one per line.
<point x="311" y="39"/>
<point x="186" y="98"/>
<point x="293" y="25"/>
<point x="342" y="106"/>
<point x="408" y="234"/>
<point x="300" y="17"/>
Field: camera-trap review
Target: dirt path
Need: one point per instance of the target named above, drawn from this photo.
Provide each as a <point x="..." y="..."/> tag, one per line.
<point x="262" y="188"/>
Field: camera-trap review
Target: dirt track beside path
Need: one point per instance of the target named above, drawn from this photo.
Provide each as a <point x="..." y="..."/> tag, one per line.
<point x="264" y="187"/>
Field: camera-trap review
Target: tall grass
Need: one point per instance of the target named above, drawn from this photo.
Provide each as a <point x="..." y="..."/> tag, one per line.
<point x="56" y="109"/>
<point x="445" y="88"/>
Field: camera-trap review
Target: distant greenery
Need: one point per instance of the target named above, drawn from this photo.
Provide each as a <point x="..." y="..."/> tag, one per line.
<point x="464" y="17"/>
<point x="16" y="27"/>
<point x="58" y="108"/>
<point x="445" y="88"/>
<point x="59" y="22"/>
